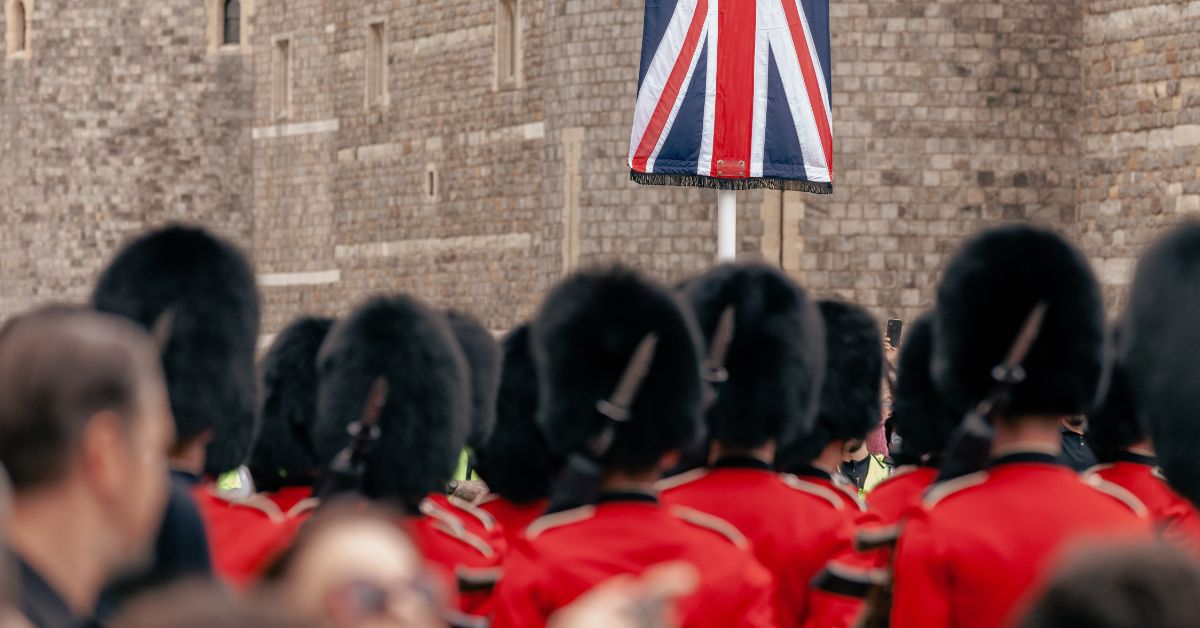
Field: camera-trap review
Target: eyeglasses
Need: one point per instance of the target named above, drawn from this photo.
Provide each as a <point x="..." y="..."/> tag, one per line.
<point x="357" y="601"/>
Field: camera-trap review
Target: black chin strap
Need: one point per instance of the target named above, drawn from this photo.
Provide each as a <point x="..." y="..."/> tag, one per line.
<point x="579" y="483"/>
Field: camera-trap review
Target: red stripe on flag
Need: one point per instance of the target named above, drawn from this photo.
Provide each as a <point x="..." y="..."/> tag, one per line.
<point x="662" y="111"/>
<point x="733" y="118"/>
<point x="811" y="85"/>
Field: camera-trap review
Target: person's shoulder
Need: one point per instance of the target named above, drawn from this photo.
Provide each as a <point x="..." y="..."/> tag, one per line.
<point x="956" y="491"/>
<point x="903" y="479"/>
<point x="688" y="480"/>
<point x="711" y="527"/>
<point x="559" y="524"/>
<point x="217" y="504"/>
<point x="439" y="526"/>
<point x="829" y="496"/>
<point x="1116" y="494"/>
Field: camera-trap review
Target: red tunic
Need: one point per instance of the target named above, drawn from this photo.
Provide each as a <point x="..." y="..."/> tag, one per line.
<point x="477" y="521"/>
<point x="565" y="554"/>
<point x="892" y="498"/>
<point x="972" y="552"/>
<point x="838" y="596"/>
<point x="466" y="563"/>
<point x="513" y="518"/>
<point x="1174" y="516"/>
<point x="793" y="524"/>
<point x="244" y="535"/>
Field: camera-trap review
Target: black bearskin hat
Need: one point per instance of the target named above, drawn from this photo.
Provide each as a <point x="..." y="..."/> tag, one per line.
<point x="424" y="421"/>
<point x="203" y="288"/>
<point x="989" y="289"/>
<point x="1158" y="349"/>
<point x="483" y="364"/>
<point x="923" y="419"/>
<point x="775" y="361"/>
<point x="583" y="340"/>
<point x="850" y="395"/>
<point x="1114" y="425"/>
<point x="516" y="462"/>
<point x="284" y="454"/>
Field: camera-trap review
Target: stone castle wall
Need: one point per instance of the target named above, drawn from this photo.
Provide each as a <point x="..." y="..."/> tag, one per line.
<point x="118" y="119"/>
<point x="1083" y="115"/>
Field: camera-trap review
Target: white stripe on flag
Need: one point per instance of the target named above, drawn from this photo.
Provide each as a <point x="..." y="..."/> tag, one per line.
<point x="799" y="104"/>
<point x="766" y="20"/>
<point x="817" y="67"/>
<point x="659" y="71"/>
<point x="704" y="165"/>
<point x="687" y="82"/>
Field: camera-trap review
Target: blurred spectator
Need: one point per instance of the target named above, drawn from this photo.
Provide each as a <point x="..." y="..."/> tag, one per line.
<point x="85" y="426"/>
<point x="351" y="567"/>
<point x="862" y="467"/>
<point x="631" y="602"/>
<point x="10" y="615"/>
<point x="1075" y="450"/>
<point x="1131" y="587"/>
<point x="200" y="604"/>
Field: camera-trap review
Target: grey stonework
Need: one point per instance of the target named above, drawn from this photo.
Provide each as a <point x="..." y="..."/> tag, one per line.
<point x="1082" y="115"/>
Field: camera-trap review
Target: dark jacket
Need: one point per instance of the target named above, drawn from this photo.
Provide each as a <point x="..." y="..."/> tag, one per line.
<point x="180" y="551"/>
<point x="1076" y="452"/>
<point x="41" y="604"/>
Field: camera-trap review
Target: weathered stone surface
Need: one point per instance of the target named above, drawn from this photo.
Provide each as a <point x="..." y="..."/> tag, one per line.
<point x="1083" y="115"/>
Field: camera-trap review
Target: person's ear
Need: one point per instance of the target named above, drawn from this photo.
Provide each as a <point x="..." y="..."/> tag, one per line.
<point x="106" y="449"/>
<point x="669" y="460"/>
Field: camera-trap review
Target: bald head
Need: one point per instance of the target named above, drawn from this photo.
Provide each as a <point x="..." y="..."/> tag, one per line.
<point x="59" y="367"/>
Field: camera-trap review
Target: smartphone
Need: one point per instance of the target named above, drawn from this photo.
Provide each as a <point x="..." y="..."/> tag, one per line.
<point x="895" y="327"/>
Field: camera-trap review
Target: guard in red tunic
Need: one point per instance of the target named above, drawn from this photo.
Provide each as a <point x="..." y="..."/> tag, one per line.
<point x="421" y="428"/>
<point x="246" y="530"/>
<point x="621" y="393"/>
<point x="766" y="363"/>
<point x="972" y="553"/>
<point x="197" y="294"/>
<point x="922" y="423"/>
<point x="1126" y="454"/>
<point x="516" y="462"/>
<point x="849" y="410"/>
<point x="483" y="368"/>
<point x="1158" y="341"/>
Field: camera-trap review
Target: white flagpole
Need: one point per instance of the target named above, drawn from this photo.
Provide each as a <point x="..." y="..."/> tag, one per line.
<point x="726" y="225"/>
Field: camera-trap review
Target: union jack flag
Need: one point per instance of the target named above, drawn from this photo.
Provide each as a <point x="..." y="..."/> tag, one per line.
<point x="734" y="94"/>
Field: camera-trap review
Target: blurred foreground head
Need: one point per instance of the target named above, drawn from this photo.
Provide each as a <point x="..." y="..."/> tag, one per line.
<point x="352" y="567"/>
<point x="205" y="605"/>
<point x="424" y="420"/>
<point x="1129" y="587"/>
<point x="201" y="289"/>
<point x="1159" y="342"/>
<point x="85" y="426"/>
<point x="585" y="338"/>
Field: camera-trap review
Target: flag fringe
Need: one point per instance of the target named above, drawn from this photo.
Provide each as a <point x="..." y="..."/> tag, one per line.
<point x="699" y="181"/>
